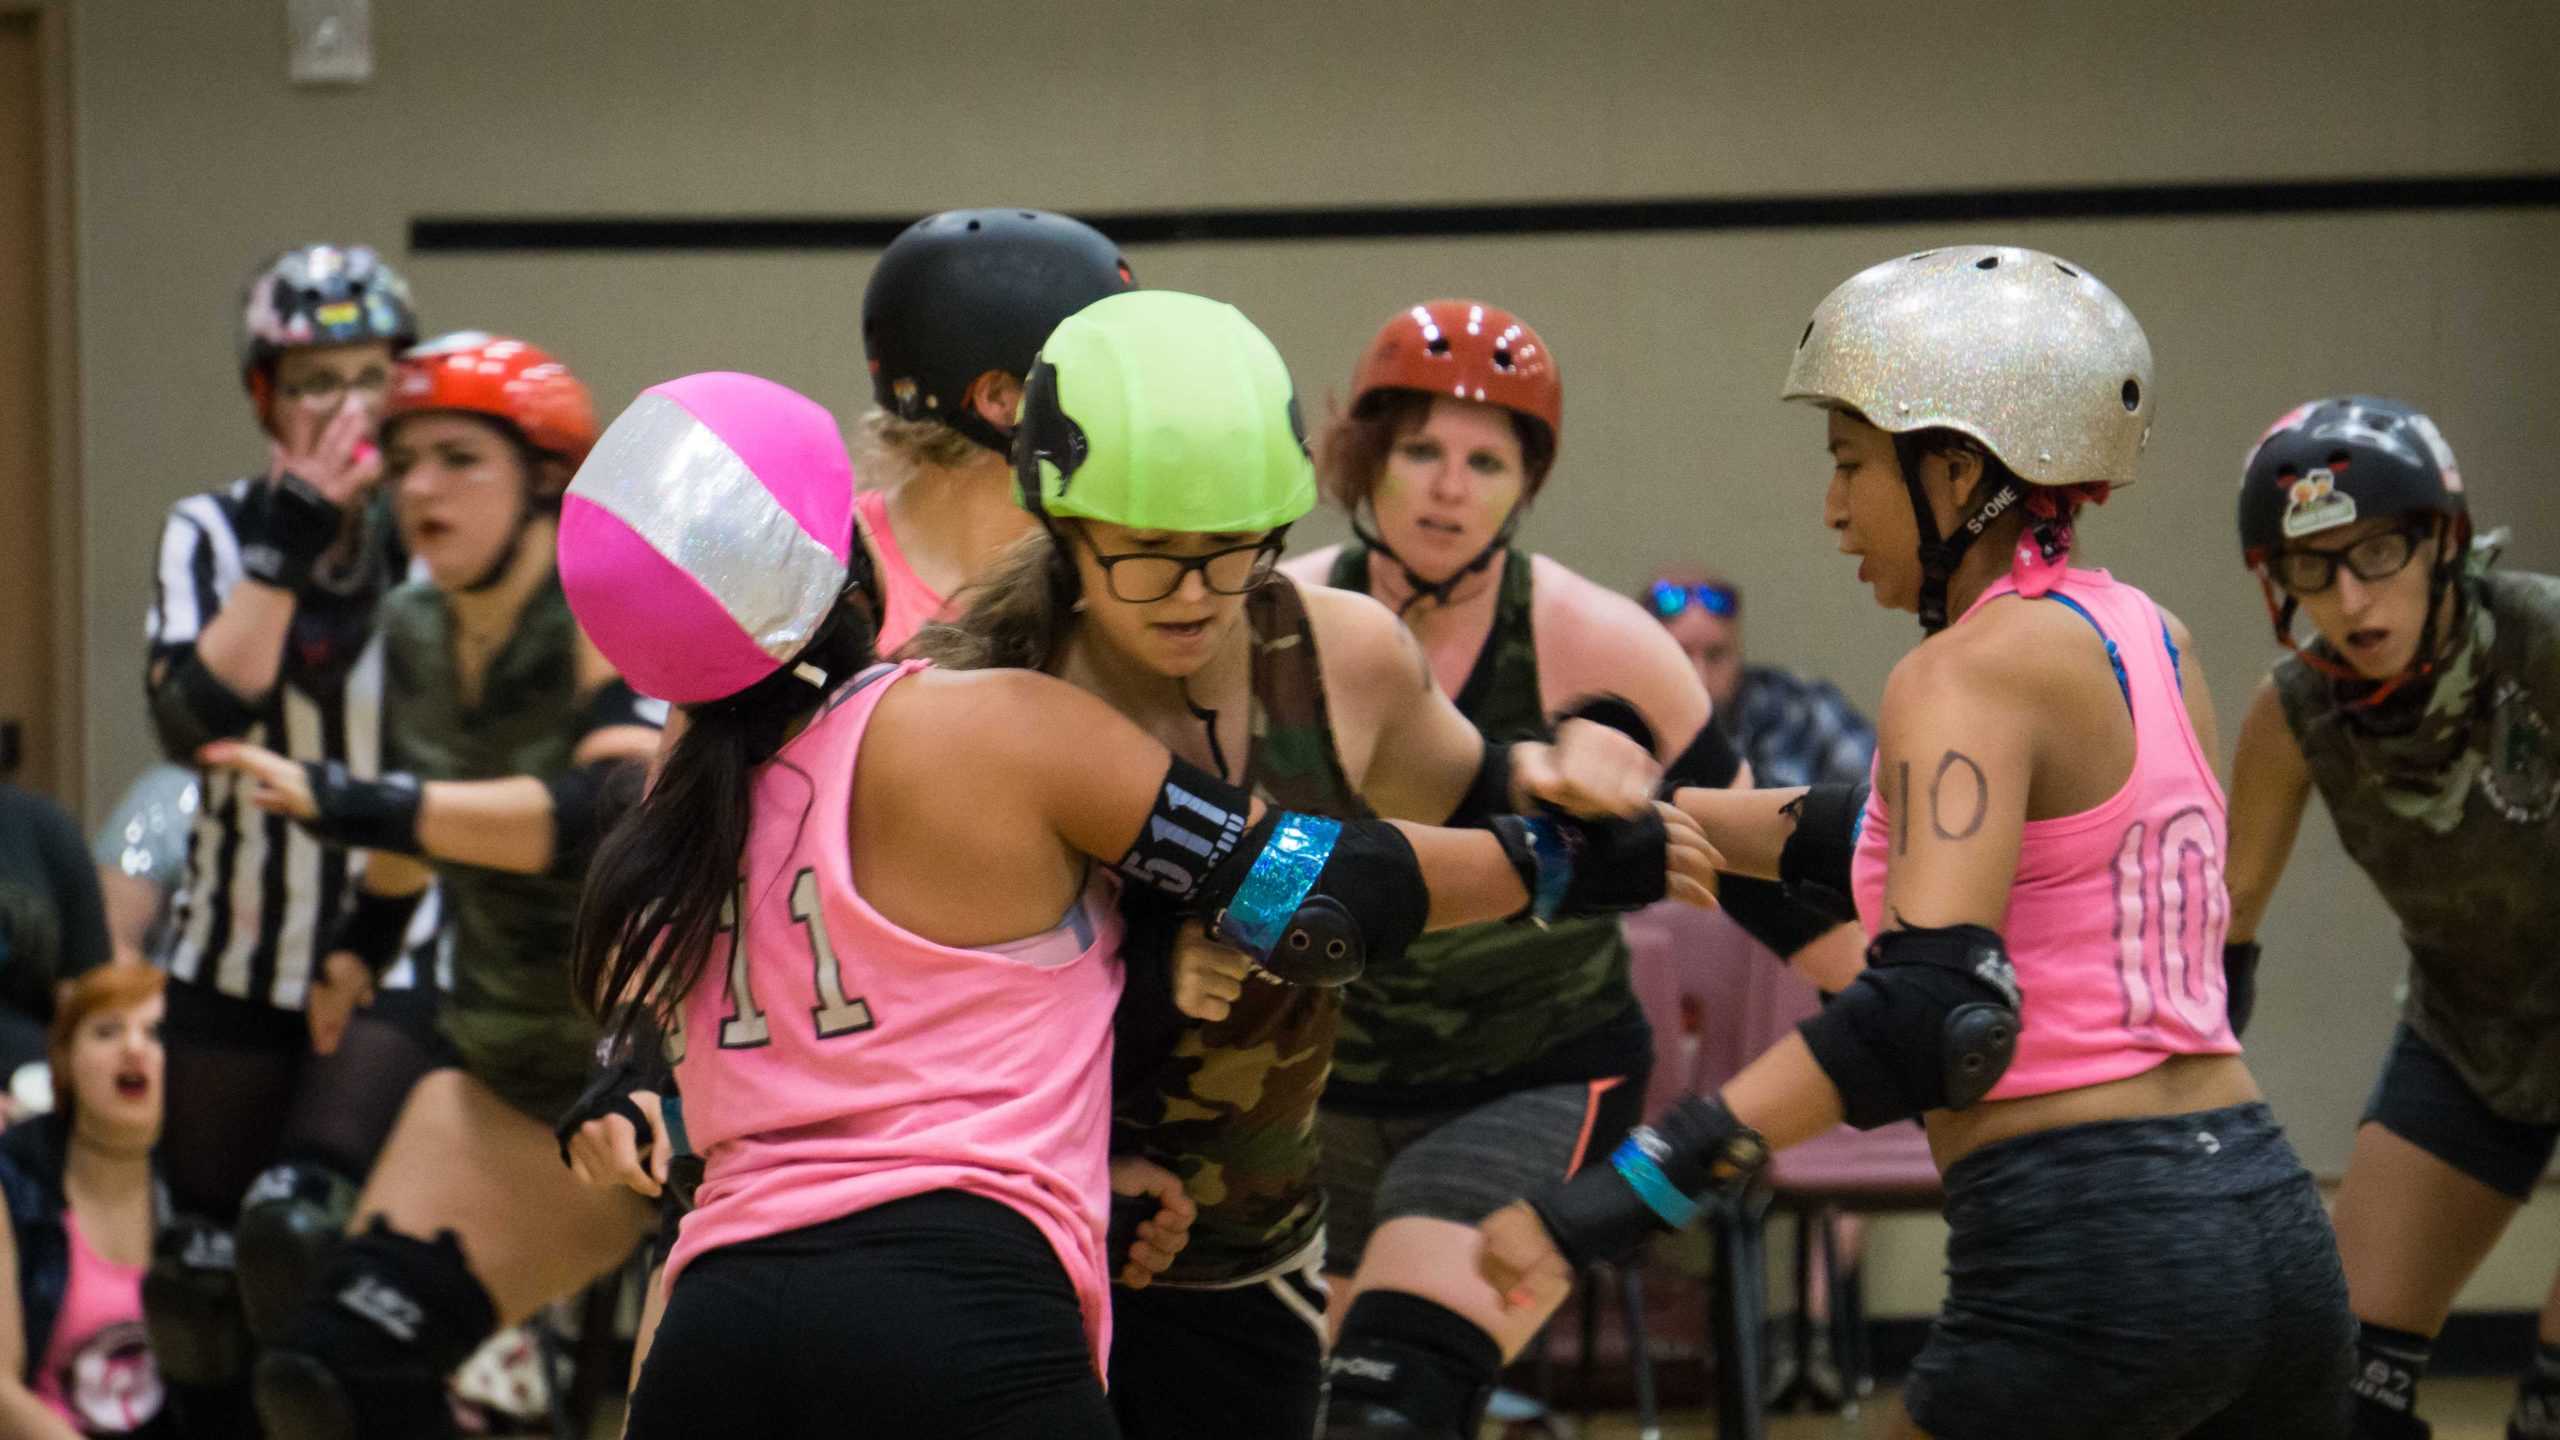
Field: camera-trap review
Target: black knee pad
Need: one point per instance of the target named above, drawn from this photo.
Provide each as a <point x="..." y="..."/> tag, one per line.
<point x="366" y="1359"/>
<point x="291" y="1221"/>
<point x="1407" y="1368"/>
<point x="191" y="1305"/>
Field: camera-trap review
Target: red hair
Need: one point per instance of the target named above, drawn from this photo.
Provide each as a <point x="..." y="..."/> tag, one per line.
<point x="109" y="987"/>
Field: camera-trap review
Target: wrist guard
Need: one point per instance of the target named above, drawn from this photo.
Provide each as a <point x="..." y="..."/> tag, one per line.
<point x="1814" y="863"/>
<point x="285" y="526"/>
<point x="1615" y="711"/>
<point x="1653" y="1182"/>
<point x="1573" y="867"/>
<point x="374" y="927"/>
<point x="363" y="814"/>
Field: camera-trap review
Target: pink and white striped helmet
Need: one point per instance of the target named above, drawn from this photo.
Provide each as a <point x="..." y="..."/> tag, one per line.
<point x="707" y="535"/>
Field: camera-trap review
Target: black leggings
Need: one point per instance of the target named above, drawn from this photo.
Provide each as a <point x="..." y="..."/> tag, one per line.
<point x="245" y="1092"/>
<point x="944" y="1314"/>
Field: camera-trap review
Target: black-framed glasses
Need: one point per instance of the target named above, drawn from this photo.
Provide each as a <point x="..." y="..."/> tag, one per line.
<point x="1668" y="599"/>
<point x="2304" y="571"/>
<point x="1141" y="578"/>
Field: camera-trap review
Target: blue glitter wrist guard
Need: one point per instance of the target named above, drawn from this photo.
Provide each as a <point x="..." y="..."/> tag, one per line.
<point x="1278" y="884"/>
<point x="1635" y="1165"/>
<point x="1555" y="867"/>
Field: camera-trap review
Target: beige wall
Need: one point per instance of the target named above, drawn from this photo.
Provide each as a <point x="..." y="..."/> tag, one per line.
<point x="194" y="158"/>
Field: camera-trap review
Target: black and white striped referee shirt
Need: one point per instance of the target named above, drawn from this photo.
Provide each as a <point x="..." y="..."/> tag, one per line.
<point x="260" y="895"/>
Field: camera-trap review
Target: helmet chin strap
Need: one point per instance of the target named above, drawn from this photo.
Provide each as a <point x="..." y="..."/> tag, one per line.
<point x="1939" y="555"/>
<point x="1438" y="592"/>
<point x="532" y="504"/>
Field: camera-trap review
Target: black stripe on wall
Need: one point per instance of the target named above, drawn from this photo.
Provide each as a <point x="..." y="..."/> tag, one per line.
<point x="2254" y="198"/>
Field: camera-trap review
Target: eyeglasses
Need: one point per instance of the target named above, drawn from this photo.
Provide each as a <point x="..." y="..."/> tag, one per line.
<point x="1668" y="600"/>
<point x="1138" y="578"/>
<point x="2375" y="557"/>
<point x="328" y="388"/>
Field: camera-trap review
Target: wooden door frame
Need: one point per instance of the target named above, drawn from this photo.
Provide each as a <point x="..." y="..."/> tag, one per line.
<point x="67" y="507"/>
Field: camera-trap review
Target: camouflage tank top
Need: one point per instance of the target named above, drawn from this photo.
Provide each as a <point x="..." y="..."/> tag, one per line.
<point x="1232" y="1108"/>
<point x="510" y="1012"/>
<point x="1472" y="1013"/>
<point x="2471" y="862"/>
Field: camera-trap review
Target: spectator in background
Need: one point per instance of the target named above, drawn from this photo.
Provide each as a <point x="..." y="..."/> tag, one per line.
<point x="52" y="925"/>
<point x="1793" y="730"/>
<point x="83" y="1207"/>
<point x="141" y="853"/>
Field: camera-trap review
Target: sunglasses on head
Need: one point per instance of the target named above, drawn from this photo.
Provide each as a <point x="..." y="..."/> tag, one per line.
<point x="1668" y="599"/>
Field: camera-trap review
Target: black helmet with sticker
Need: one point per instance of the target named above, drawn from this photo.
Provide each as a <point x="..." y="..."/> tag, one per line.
<point x="2330" y="463"/>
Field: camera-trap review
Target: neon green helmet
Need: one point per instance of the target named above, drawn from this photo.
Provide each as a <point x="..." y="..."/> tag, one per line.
<point x="1162" y="411"/>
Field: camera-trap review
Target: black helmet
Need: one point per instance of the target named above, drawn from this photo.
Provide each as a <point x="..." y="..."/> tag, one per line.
<point x="2334" y="462"/>
<point x="968" y="291"/>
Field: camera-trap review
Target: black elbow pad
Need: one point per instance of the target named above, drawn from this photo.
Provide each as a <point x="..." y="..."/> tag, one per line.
<point x="586" y="801"/>
<point x="1931" y="1024"/>
<point x="1769" y="915"/>
<point x="191" y="709"/>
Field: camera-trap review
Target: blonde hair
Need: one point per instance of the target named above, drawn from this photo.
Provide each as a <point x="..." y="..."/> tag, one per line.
<point x="1016" y="615"/>
<point x="887" y="438"/>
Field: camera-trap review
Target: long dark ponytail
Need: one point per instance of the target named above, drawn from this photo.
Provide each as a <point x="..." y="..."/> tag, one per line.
<point x="659" y="879"/>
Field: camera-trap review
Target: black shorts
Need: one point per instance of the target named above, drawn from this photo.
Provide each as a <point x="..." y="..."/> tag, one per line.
<point x="1461" y="1165"/>
<point x="943" y="1314"/>
<point x="2422" y="1099"/>
<point x="1241" y="1362"/>
<point x="2138" y="1280"/>
<point x="201" y="1016"/>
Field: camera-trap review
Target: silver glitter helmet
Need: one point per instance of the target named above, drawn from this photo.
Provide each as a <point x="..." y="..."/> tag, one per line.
<point x="2025" y="352"/>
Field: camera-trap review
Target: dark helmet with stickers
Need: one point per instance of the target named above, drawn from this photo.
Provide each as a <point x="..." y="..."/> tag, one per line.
<point x="968" y="291"/>
<point x="2330" y="463"/>
<point x="2327" y="464"/>
<point x="319" y="295"/>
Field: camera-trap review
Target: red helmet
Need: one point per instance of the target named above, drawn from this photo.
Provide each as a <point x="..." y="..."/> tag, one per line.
<point x="483" y="374"/>
<point x="1466" y="349"/>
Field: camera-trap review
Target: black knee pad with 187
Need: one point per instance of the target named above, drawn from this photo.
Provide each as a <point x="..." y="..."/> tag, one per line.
<point x="368" y="1356"/>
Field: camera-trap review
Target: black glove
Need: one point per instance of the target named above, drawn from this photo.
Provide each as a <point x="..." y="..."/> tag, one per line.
<point x="609" y="1092"/>
<point x="1573" y="867"/>
<point x="367" y="814"/>
<point x="2240" y="982"/>
<point x="285" y="526"/>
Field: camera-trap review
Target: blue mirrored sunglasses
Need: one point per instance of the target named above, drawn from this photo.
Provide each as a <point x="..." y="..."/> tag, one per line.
<point x="1669" y="599"/>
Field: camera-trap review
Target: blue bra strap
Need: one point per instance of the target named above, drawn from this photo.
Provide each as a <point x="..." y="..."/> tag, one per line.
<point x="2114" y="657"/>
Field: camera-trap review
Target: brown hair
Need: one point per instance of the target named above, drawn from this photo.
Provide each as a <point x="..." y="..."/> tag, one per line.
<point x="1351" y="449"/>
<point x="1016" y="615"/>
<point x="109" y="987"/>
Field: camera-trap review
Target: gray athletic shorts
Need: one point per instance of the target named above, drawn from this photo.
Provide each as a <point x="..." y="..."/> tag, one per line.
<point x="2138" y="1280"/>
<point x="1460" y="1165"/>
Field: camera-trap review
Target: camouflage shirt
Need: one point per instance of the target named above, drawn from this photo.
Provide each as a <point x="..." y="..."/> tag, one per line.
<point x="510" y="1013"/>
<point x="1232" y="1108"/>
<point x="2454" y="811"/>
<point x="1473" y="1012"/>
